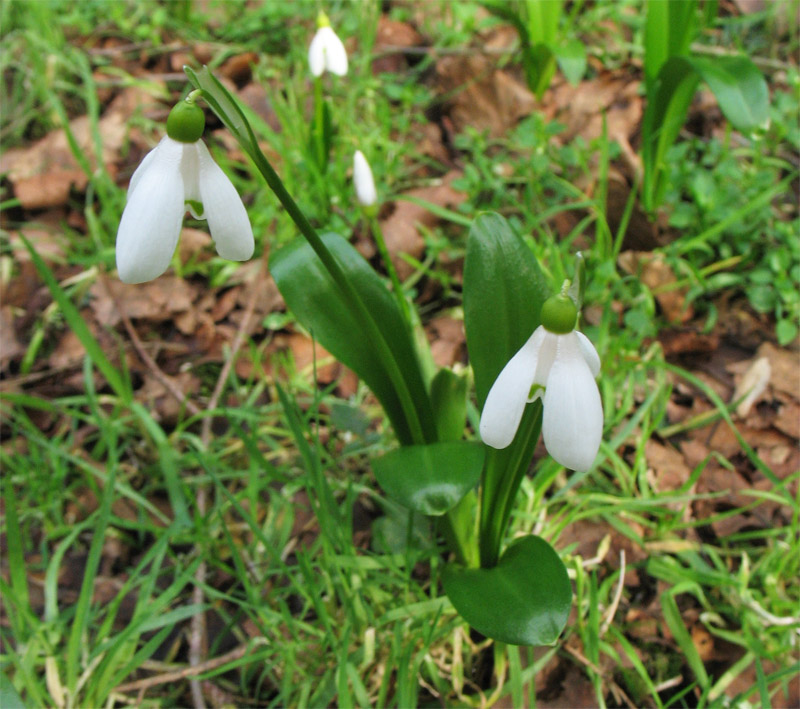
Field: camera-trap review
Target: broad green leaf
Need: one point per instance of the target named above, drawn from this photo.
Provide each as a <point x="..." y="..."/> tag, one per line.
<point x="524" y="600"/>
<point x="571" y="58"/>
<point x="449" y="401"/>
<point x="739" y="87"/>
<point x="503" y="295"/>
<point x="430" y="479"/>
<point x="317" y="302"/>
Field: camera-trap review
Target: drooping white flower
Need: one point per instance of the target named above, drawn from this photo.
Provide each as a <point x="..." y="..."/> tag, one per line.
<point x="560" y="366"/>
<point x="326" y="51"/>
<point x="174" y="173"/>
<point x="363" y="180"/>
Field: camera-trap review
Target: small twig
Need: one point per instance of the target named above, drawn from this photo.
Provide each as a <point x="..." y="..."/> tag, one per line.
<point x="197" y="634"/>
<point x="183" y="673"/>
<point x="612" y="609"/>
<point x="165" y="380"/>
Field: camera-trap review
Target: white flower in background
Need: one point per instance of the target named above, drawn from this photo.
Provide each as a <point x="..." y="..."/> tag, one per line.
<point x="560" y="364"/>
<point x="326" y="51"/>
<point x="179" y="170"/>
<point x="363" y="180"/>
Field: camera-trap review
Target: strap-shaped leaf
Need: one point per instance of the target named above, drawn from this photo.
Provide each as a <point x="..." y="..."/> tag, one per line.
<point x="318" y="303"/>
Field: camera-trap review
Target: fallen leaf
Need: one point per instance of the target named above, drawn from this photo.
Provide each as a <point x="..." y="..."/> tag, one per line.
<point x="156" y="300"/>
<point x="400" y="228"/>
<point x="482" y="96"/>
<point x="653" y="270"/>
<point x="752" y="385"/>
<point x="669" y="469"/>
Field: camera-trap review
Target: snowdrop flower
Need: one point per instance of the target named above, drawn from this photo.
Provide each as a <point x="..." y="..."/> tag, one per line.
<point x="560" y="364"/>
<point x="177" y="172"/>
<point x="363" y="181"/>
<point x="326" y="50"/>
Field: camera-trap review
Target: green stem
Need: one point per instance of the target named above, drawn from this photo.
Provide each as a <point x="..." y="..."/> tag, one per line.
<point x="501" y="480"/>
<point x="241" y="130"/>
<point x="397" y="286"/>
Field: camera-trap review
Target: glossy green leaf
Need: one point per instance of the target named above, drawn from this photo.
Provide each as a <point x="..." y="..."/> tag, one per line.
<point x="430" y="479"/>
<point x="524" y="600"/>
<point x="739" y="87"/>
<point x="317" y="302"/>
<point x="449" y="401"/>
<point x="503" y="295"/>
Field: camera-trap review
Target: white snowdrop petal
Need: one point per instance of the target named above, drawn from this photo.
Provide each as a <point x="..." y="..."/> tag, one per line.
<point x="316" y="53"/>
<point x="335" y="53"/>
<point x="363" y="180"/>
<point x="589" y="353"/>
<point x="227" y="218"/>
<point x="143" y="166"/>
<point x="506" y="401"/>
<point x="151" y="222"/>
<point x="572" y="423"/>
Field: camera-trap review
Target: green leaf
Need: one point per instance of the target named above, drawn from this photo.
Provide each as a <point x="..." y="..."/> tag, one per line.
<point x="524" y="600"/>
<point x="667" y="105"/>
<point x="571" y="58"/>
<point x="449" y="401"/>
<point x="503" y="295"/>
<point x="739" y="87"/>
<point x="317" y="302"/>
<point x="539" y="63"/>
<point x="669" y="30"/>
<point x="430" y="479"/>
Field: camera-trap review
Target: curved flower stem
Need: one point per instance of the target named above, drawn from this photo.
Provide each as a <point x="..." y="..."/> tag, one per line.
<point x="397" y="286"/>
<point x="231" y="115"/>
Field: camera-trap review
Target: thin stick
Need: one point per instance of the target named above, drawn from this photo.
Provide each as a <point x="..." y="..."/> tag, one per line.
<point x="183" y="673"/>
<point x="198" y="646"/>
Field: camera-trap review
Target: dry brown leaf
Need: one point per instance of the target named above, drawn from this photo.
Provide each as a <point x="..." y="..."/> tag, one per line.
<point x="447" y="338"/>
<point x="10" y="346"/>
<point x="400" y="227"/>
<point x="669" y="467"/>
<point x="653" y="270"/>
<point x="752" y="385"/>
<point x="481" y="96"/>
<point x="393" y="36"/>
<point x="43" y="174"/>
<point x="157" y="300"/>
<point x="582" y="108"/>
<point x="69" y="351"/>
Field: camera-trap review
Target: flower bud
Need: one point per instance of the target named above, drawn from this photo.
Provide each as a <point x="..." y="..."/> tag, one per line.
<point x="186" y="122"/>
<point x="363" y="180"/>
<point x="559" y="314"/>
